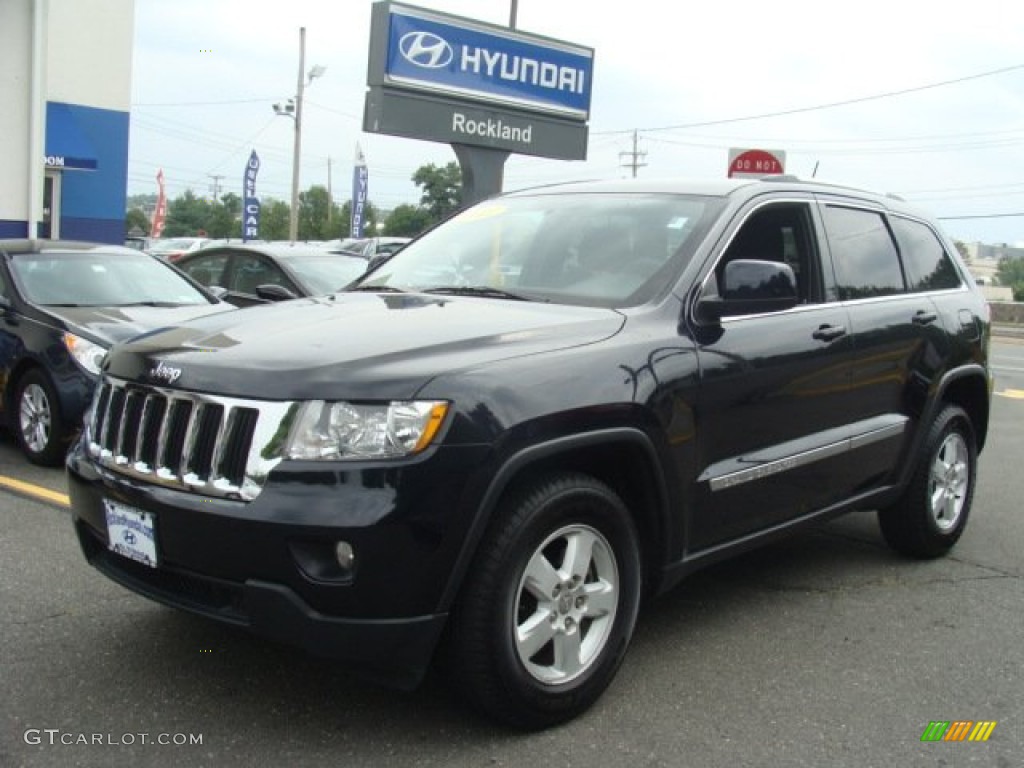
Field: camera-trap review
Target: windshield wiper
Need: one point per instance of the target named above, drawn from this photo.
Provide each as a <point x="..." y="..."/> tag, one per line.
<point x="477" y="290"/>
<point x="151" y="304"/>
<point x="374" y="289"/>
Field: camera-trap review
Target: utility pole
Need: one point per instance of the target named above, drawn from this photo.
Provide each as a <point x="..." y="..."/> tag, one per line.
<point x="293" y="222"/>
<point x="635" y="156"/>
<point x="330" y="198"/>
<point x="216" y="185"/>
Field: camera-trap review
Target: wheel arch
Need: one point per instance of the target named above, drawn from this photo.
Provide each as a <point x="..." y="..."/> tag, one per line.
<point x="623" y="458"/>
<point x="968" y="387"/>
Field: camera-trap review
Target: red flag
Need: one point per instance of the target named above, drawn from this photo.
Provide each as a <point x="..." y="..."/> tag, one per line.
<point x="160" y="214"/>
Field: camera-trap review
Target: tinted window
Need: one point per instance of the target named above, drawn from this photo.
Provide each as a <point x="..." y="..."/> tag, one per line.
<point x="779" y="233"/>
<point x="866" y="261"/>
<point x="208" y="270"/>
<point x="929" y="267"/>
<point x="252" y="271"/>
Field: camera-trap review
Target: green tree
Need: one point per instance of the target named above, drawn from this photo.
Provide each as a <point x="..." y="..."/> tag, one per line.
<point x="187" y="215"/>
<point x="1011" y="272"/>
<point x="224" y="219"/>
<point x="136" y="221"/>
<point x="407" y="221"/>
<point x="313" y="214"/>
<point x="371" y="219"/>
<point x="274" y="219"/>
<point x="442" y="189"/>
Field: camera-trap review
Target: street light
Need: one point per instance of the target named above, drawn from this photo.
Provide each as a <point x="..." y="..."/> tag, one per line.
<point x="293" y="109"/>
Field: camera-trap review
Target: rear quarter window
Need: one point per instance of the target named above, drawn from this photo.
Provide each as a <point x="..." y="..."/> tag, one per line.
<point x="929" y="266"/>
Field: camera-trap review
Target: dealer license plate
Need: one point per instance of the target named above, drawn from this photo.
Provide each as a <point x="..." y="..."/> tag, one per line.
<point x="131" y="532"/>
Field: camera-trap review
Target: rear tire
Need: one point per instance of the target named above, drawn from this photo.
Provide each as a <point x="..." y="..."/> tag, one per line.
<point x="931" y="515"/>
<point x="38" y="424"/>
<point x="549" y="604"/>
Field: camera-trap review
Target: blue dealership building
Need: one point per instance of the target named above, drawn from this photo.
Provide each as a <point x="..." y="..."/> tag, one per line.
<point x="65" y="126"/>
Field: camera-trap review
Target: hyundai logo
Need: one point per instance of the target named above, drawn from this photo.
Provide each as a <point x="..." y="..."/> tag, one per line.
<point x="425" y="49"/>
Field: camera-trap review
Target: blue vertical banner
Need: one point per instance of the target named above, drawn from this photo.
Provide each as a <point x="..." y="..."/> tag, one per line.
<point x="251" y="203"/>
<point x="360" y="187"/>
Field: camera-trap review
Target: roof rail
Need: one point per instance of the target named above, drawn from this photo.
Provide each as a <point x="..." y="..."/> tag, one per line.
<point x="781" y="177"/>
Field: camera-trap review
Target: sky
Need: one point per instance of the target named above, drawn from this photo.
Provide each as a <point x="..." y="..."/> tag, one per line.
<point x="920" y="99"/>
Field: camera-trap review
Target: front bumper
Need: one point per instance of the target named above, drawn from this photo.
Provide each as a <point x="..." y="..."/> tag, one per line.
<point x="265" y="565"/>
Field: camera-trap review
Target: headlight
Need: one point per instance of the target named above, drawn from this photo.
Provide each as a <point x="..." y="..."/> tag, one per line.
<point x="332" y="431"/>
<point x="86" y="353"/>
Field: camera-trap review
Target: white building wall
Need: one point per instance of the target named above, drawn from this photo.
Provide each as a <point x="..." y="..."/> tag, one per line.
<point x="88" y="63"/>
<point x="16" y="66"/>
<point x="90" y="52"/>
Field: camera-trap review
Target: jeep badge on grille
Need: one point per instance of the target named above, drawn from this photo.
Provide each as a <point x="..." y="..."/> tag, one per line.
<point x="163" y="372"/>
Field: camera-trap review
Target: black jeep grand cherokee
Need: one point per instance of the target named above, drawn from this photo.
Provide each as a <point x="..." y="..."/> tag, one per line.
<point x="558" y="401"/>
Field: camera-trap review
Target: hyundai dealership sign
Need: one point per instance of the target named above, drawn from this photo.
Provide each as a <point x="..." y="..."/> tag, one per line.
<point x="446" y="78"/>
<point x="493" y="64"/>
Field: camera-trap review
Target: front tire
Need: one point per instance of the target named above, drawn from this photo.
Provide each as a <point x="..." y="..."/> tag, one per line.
<point x="931" y="515"/>
<point x="549" y="604"/>
<point x="38" y="423"/>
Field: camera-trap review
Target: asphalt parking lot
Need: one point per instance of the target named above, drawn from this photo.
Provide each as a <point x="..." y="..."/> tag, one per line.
<point x="825" y="650"/>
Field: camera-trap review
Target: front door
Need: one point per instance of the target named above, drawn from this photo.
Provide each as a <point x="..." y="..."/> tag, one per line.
<point x="771" y="413"/>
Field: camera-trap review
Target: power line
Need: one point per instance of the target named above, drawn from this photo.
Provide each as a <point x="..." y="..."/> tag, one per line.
<point x="202" y="103"/>
<point x="828" y="105"/>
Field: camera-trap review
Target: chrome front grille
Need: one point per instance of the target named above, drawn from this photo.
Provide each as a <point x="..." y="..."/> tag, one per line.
<point x="205" y="444"/>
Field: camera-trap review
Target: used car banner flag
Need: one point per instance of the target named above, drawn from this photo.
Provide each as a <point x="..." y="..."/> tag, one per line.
<point x="251" y="203"/>
<point x="160" y="212"/>
<point x="360" y="187"/>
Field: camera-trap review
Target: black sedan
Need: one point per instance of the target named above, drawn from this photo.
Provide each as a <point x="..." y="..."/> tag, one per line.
<point x="258" y="274"/>
<point x="62" y="305"/>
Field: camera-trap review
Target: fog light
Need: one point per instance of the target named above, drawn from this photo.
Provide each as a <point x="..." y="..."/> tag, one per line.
<point x="345" y="554"/>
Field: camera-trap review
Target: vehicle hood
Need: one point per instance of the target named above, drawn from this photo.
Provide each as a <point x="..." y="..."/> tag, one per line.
<point x="112" y="324"/>
<point x="352" y="345"/>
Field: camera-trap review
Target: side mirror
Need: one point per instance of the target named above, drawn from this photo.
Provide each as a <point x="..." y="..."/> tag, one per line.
<point x="217" y="290"/>
<point x="750" y="287"/>
<point x="379" y="258"/>
<point x="272" y="292"/>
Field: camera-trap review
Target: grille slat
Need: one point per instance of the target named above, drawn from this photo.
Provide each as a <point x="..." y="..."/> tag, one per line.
<point x="188" y="441"/>
<point x="152" y="419"/>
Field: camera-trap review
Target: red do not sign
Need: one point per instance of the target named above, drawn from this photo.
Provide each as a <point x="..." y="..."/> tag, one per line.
<point x="756" y="162"/>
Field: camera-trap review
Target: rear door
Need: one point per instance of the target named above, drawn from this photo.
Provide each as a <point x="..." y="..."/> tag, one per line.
<point x="899" y="340"/>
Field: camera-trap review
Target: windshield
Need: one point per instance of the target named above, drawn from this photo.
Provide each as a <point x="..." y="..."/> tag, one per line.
<point x="101" y="279"/>
<point x="177" y="244"/>
<point x="602" y="249"/>
<point x="329" y="273"/>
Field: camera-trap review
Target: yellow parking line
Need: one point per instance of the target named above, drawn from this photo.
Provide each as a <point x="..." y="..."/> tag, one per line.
<point x="35" y="491"/>
<point x="1016" y="394"/>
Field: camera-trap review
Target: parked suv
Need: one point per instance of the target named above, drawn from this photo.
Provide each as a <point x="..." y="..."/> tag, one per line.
<point x="487" y="450"/>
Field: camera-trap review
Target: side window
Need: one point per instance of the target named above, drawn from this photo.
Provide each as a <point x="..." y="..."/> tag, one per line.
<point x="929" y="267"/>
<point x="779" y="232"/>
<point x="252" y="271"/>
<point x="866" y="261"/>
<point x="207" y="270"/>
